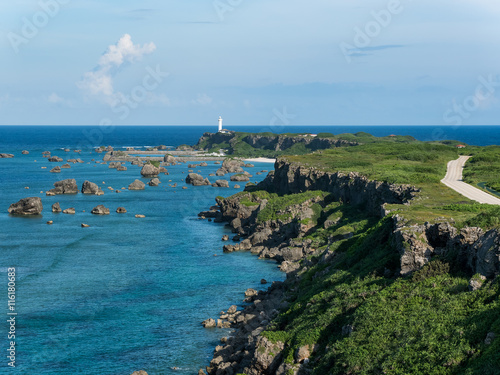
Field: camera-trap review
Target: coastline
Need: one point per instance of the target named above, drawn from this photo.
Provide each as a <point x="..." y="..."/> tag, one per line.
<point x="268" y="336"/>
<point x="261" y="160"/>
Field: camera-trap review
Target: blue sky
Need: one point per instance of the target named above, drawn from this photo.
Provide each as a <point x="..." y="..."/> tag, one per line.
<point x="318" y="62"/>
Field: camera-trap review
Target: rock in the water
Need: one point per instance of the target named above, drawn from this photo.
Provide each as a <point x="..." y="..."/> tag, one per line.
<point x="6" y="156"/>
<point x="114" y="164"/>
<point x="225" y="237"/>
<point x="69" y="211"/>
<point x="85" y="225"/>
<point x="231" y="166"/>
<point x="240" y="178"/>
<point x="141" y="372"/>
<point x="56" y="169"/>
<point x="221" y="183"/>
<point x="169" y="159"/>
<point x="249" y="165"/>
<point x="237" y="186"/>
<point x="121" y="168"/>
<point x="196" y="180"/>
<point x="27" y="206"/>
<point x="50" y="222"/>
<point x="121" y="210"/>
<point x="203" y="164"/>
<point x="55" y="159"/>
<point x="209" y="323"/>
<point x="250" y="292"/>
<point x="149" y="170"/>
<point x="263" y="281"/>
<point x="140" y="216"/>
<point x="66" y="166"/>
<point x="91" y="188"/>
<point x="56" y="207"/>
<point x="100" y="210"/>
<point x="65" y="187"/>
<point x="154" y="182"/>
<point x="25" y="152"/>
<point x="137" y="185"/>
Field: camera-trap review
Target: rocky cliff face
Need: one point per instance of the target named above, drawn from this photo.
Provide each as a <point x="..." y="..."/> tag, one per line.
<point x="274" y="142"/>
<point x="353" y="188"/>
<point x="281" y="142"/>
<point x="475" y="250"/>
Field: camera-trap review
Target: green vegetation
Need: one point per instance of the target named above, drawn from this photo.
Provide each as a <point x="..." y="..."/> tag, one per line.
<point x="365" y="321"/>
<point x="241" y="144"/>
<point x="484" y="167"/>
<point x="393" y="162"/>
<point x="422" y="164"/>
<point x="154" y="163"/>
<point x="279" y="204"/>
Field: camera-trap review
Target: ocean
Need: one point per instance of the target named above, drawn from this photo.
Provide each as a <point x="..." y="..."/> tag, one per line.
<point x="127" y="294"/>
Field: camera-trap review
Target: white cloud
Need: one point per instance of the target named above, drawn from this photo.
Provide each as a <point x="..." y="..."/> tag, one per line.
<point x="125" y="51"/>
<point x="99" y="82"/>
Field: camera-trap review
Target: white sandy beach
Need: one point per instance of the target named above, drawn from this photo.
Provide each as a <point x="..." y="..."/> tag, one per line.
<point x="261" y="160"/>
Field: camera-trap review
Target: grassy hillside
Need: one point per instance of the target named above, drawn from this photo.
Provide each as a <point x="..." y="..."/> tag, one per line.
<point x="421" y="164"/>
<point x="362" y="318"/>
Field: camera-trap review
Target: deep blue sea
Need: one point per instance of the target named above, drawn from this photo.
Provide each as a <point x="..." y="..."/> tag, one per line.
<point x="127" y="294"/>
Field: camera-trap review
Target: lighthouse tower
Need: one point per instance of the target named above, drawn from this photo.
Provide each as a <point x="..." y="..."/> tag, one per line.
<point x="220" y="123"/>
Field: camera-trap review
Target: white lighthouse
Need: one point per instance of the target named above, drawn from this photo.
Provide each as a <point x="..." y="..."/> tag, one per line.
<point x="220" y="124"/>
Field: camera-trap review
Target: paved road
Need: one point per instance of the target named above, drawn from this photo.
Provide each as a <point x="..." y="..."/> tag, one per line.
<point x="453" y="180"/>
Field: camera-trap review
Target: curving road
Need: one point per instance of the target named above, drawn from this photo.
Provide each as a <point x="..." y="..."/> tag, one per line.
<point x="453" y="180"/>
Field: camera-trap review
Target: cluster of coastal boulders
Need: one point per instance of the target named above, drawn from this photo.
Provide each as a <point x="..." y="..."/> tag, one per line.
<point x="6" y="156"/>
<point x="228" y="166"/>
<point x="237" y="351"/>
<point x="33" y="205"/>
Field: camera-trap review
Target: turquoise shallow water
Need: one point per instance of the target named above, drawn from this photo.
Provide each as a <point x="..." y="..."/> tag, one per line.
<point x="126" y="293"/>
